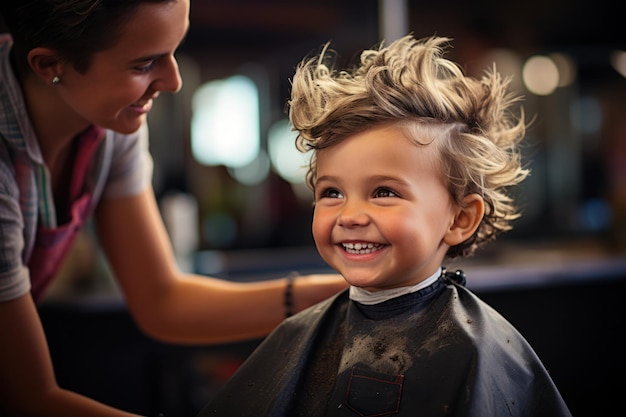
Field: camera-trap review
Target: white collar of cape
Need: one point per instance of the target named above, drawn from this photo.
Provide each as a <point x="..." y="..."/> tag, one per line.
<point x="366" y="297"/>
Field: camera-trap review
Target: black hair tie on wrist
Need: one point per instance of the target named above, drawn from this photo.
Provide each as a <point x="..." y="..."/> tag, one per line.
<point x="289" y="294"/>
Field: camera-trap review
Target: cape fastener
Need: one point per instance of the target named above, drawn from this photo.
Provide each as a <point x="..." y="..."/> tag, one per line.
<point x="457" y="277"/>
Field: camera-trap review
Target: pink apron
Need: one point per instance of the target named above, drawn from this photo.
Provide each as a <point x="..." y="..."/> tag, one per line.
<point x="53" y="244"/>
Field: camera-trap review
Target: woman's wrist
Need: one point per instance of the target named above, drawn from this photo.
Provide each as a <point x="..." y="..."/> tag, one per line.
<point x="311" y="289"/>
<point x="288" y="295"/>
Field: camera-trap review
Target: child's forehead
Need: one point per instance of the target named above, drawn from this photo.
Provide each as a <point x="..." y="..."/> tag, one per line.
<point x="376" y="147"/>
<point x="415" y="133"/>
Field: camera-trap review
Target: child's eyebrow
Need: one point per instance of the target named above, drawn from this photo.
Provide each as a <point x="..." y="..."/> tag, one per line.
<point x="325" y="178"/>
<point x="387" y="178"/>
<point x="378" y="178"/>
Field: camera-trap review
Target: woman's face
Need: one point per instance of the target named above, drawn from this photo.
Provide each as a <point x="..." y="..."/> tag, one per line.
<point x="117" y="90"/>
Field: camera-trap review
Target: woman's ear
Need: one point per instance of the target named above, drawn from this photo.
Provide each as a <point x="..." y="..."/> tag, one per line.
<point x="46" y="63"/>
<point x="466" y="220"/>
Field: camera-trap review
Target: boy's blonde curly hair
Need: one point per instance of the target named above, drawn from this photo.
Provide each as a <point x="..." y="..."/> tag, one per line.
<point x="410" y="84"/>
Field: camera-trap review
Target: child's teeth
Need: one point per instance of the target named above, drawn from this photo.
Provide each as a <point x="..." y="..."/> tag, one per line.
<point x="361" y="248"/>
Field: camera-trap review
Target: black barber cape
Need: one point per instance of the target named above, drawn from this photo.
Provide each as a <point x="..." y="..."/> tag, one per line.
<point x="440" y="351"/>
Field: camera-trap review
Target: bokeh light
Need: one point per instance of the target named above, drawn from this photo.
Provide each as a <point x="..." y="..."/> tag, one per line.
<point x="225" y="122"/>
<point x="288" y="162"/>
<point x="540" y="75"/>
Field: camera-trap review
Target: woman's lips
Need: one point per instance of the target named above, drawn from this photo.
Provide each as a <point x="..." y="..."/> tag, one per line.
<point x="141" y="107"/>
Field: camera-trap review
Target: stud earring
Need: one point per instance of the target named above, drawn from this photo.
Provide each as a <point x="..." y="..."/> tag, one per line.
<point x="56" y="80"/>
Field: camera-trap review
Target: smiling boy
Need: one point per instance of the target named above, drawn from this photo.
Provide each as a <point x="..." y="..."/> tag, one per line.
<point x="410" y="166"/>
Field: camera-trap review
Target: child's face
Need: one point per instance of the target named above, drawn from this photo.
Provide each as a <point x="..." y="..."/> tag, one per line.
<point x="382" y="209"/>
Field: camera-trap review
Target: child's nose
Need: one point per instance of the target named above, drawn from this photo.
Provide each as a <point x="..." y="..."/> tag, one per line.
<point x="353" y="214"/>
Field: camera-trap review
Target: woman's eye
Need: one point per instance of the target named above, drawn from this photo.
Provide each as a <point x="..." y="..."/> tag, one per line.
<point x="384" y="192"/>
<point x="145" y="68"/>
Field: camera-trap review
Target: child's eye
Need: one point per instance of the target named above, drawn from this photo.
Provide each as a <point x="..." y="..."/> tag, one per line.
<point x="330" y="193"/>
<point x="384" y="192"/>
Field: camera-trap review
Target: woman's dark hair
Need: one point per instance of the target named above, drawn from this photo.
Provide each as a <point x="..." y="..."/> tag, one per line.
<point x="76" y="29"/>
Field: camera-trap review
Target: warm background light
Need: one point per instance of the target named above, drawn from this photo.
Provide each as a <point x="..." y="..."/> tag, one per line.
<point x="540" y="75"/>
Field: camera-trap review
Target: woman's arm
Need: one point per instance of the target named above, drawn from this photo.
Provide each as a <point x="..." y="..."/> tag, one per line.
<point x="27" y="383"/>
<point x="185" y="308"/>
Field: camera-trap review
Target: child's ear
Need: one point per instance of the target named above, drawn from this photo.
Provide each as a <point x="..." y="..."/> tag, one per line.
<point x="466" y="220"/>
<point x="46" y="63"/>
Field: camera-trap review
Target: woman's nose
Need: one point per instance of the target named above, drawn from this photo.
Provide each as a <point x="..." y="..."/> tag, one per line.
<point x="170" y="79"/>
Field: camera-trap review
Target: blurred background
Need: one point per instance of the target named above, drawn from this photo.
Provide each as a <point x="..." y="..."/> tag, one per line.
<point x="230" y="186"/>
<point x="225" y="141"/>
